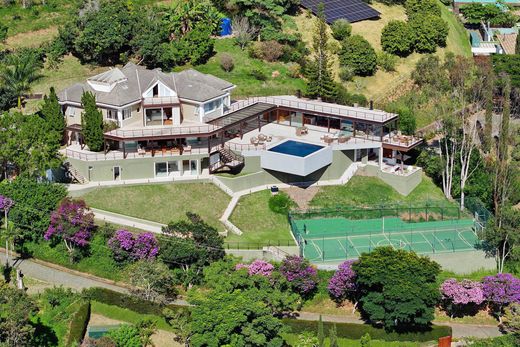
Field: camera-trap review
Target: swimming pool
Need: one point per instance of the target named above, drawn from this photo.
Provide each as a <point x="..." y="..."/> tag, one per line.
<point x="295" y="148"/>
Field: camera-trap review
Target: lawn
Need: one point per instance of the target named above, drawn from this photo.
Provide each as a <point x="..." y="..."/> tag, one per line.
<point x="369" y="191"/>
<point x="247" y="85"/>
<point x="162" y="203"/>
<point x="292" y="340"/>
<point x="260" y="225"/>
<point x="383" y="83"/>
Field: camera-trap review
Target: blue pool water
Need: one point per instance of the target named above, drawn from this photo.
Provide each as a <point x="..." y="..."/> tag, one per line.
<point x="295" y="148"/>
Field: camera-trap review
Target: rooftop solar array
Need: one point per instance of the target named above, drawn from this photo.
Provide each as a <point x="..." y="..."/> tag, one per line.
<point x="351" y="10"/>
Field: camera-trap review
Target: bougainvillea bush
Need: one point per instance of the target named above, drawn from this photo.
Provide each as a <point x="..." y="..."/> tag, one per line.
<point x="127" y="247"/>
<point x="5" y="203"/>
<point x="299" y="272"/>
<point x="342" y="285"/>
<point x="72" y="223"/>
<point x="257" y="267"/>
<point x="501" y="290"/>
<point x="460" y="298"/>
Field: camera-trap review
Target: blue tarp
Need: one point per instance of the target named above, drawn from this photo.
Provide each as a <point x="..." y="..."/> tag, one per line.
<point x="225" y="27"/>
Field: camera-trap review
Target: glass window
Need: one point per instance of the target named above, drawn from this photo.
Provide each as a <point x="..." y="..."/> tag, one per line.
<point x="112" y="114"/>
<point x="161" y="169"/>
<point x="153" y="116"/>
<point x="127" y="113"/>
<point x="212" y="106"/>
<point x="173" y="167"/>
<point x="193" y="167"/>
<point x="71" y="111"/>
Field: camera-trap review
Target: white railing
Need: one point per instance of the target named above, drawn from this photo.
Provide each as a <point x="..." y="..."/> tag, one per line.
<point x="163" y="131"/>
<point x="316" y="106"/>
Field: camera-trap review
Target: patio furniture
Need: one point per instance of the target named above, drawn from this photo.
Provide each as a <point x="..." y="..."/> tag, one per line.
<point x="175" y="150"/>
<point x="269" y="138"/>
<point x="141" y="151"/>
<point x="254" y="141"/>
<point x="274" y="190"/>
<point x="187" y="149"/>
<point x="342" y="139"/>
<point x="301" y="131"/>
<point x="328" y="140"/>
<point x="163" y="150"/>
<point x="262" y="137"/>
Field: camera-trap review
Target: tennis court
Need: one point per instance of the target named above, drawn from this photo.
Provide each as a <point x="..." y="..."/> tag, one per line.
<point x="333" y="239"/>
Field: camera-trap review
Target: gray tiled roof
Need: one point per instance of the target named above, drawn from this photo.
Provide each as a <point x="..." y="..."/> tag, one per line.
<point x="131" y="81"/>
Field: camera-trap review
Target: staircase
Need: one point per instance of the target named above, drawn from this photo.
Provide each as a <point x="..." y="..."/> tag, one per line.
<point x="229" y="162"/>
<point x="74" y="175"/>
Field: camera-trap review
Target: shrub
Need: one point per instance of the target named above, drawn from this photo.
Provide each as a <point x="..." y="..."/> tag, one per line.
<point x="226" y="62"/>
<point x="294" y="70"/>
<point x="359" y="54"/>
<point x="267" y="50"/>
<point x="258" y="74"/>
<point x="501" y="290"/>
<point x="257" y="267"/>
<point x="397" y="38"/>
<point x="387" y="61"/>
<point x="341" y="29"/>
<point x="429" y="31"/>
<point x="280" y="203"/>
<point x="460" y="296"/>
<point x="346" y="73"/>
<point x="78" y="324"/>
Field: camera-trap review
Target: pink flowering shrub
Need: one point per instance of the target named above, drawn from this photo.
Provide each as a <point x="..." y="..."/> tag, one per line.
<point x="257" y="267"/>
<point x="462" y="297"/>
<point x="302" y="276"/>
<point x="126" y="246"/>
<point x="342" y="285"/>
<point x="501" y="290"/>
<point x="6" y="203"/>
<point x="72" y="223"/>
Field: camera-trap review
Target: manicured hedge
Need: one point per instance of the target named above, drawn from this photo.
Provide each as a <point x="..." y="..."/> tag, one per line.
<point x="356" y="331"/>
<point x="78" y="324"/>
<point x="129" y="302"/>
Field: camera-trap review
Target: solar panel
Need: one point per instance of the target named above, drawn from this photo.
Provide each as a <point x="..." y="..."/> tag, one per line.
<point x="351" y="10"/>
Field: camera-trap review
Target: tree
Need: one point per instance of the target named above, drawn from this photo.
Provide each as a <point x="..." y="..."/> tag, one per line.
<point x="72" y="223"/>
<point x="397" y="288"/>
<point x="16" y="311"/>
<point x="104" y="32"/>
<point x="397" y="38"/>
<point x="299" y="272"/>
<point x="126" y="246"/>
<point x="502" y="237"/>
<point x="342" y="284"/>
<point x="459" y="297"/>
<point x="341" y="29"/>
<point x="257" y="267"/>
<point x="19" y="71"/>
<point x="189" y="246"/>
<point x="146" y="327"/>
<point x="34" y="202"/>
<point x="501" y="290"/>
<point x="92" y="123"/>
<point x="418" y="7"/>
<point x="244" y="32"/>
<point x="51" y="113"/>
<point x="320" y="83"/>
<point x="234" y="318"/>
<point x="407" y="121"/>
<point x="152" y="281"/>
<point x="475" y="13"/>
<point x="321" y="333"/>
<point x="429" y="32"/>
<point x="357" y="53"/>
<point x="180" y="321"/>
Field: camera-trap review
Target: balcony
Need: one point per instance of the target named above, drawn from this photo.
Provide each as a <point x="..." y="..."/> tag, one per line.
<point x="400" y="142"/>
<point x="140" y="134"/>
<point x="161" y="101"/>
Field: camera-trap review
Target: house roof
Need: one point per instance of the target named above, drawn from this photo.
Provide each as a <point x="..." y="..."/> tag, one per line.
<point x="126" y="85"/>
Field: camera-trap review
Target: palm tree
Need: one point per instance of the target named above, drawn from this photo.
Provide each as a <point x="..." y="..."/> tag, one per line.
<point x="19" y="71"/>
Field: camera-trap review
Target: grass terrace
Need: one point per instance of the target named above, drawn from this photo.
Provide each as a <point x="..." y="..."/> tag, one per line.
<point x="162" y="203"/>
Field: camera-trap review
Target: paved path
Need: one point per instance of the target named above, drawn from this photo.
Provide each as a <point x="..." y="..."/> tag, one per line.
<point x="128" y="221"/>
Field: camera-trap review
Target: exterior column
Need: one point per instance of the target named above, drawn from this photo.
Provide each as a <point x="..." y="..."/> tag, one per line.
<point x="120" y="118"/>
<point x="381" y="157"/>
<point x="328" y="124"/>
<point x="124" y="150"/>
<point x="209" y="145"/>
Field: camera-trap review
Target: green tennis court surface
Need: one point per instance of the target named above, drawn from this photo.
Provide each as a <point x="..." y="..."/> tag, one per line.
<point x="331" y="239"/>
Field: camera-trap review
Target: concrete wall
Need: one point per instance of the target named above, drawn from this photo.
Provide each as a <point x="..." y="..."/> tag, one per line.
<point x="257" y="176"/>
<point x="403" y="184"/>
<point x="188" y="112"/>
<point x="130" y="168"/>
<point x="137" y="117"/>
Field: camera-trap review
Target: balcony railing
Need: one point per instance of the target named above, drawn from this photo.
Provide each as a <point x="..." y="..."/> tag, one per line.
<point x="401" y="140"/>
<point x="161" y="100"/>
<point x="163" y="131"/>
<point x="316" y="106"/>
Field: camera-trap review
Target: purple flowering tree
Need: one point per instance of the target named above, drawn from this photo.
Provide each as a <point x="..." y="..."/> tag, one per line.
<point x="72" y="223"/>
<point x="501" y="290"/>
<point x="257" y="267"/>
<point x="126" y="246"/>
<point x="342" y="285"/>
<point x="459" y="298"/>
<point x="302" y="276"/>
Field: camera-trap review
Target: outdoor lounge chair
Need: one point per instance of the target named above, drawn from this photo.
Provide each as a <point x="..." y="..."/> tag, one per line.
<point x="262" y="137"/>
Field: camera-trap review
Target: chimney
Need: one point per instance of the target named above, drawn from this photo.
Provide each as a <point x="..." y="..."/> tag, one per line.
<point x="371" y="104"/>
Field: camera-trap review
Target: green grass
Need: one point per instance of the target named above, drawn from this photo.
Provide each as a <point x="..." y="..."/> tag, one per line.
<point x="99" y="262"/>
<point x="162" y="203"/>
<point x="259" y="224"/>
<point x="126" y="315"/>
<point x="292" y="340"/>
<point x="367" y="191"/>
<point x="247" y="85"/>
<point x="458" y="38"/>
